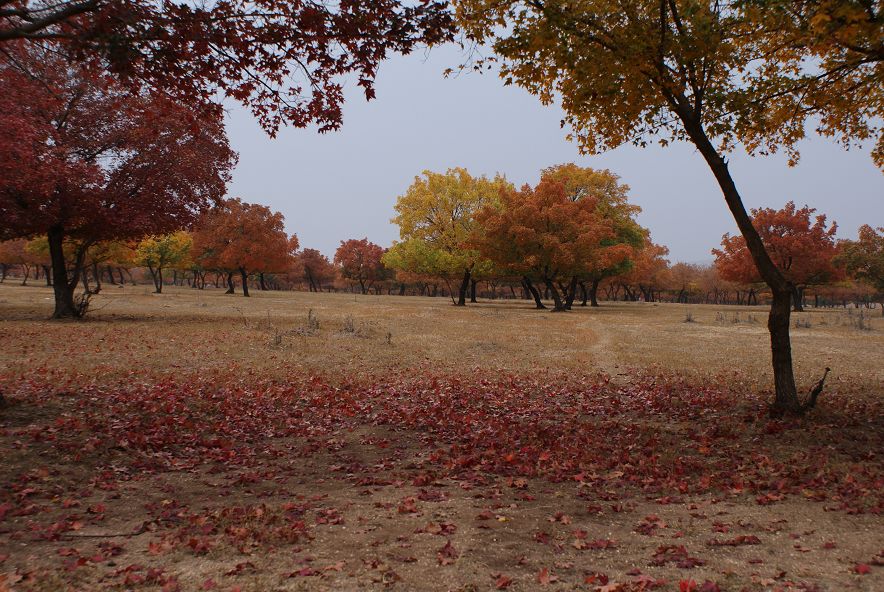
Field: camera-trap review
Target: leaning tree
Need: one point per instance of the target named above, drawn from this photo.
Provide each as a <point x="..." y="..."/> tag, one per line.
<point x="712" y="73"/>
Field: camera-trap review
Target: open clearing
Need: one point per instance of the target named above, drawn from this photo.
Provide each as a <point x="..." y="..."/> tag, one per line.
<point x="193" y="440"/>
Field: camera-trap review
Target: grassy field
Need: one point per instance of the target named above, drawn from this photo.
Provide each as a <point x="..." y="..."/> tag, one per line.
<point x="294" y="441"/>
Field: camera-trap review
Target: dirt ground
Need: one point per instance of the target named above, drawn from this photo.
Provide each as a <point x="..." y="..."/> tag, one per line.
<point x="197" y="441"/>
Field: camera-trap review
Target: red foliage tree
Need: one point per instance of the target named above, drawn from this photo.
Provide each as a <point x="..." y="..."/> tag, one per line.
<point x="241" y="237"/>
<point x="83" y="160"/>
<point x="360" y="262"/>
<point x="315" y="268"/>
<point x="283" y="59"/>
<point x="542" y="234"/>
<point x="800" y="245"/>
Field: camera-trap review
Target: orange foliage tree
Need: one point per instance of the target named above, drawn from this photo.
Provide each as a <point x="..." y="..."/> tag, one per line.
<point x="801" y="246"/>
<point x="315" y="268"/>
<point x="542" y="235"/>
<point x="360" y="261"/>
<point x="246" y="238"/>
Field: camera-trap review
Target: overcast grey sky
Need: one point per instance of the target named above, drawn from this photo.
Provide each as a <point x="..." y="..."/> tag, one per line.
<point x="343" y="185"/>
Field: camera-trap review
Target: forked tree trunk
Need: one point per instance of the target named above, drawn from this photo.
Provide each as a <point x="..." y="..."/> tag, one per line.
<point x="558" y="304"/>
<point x="535" y="293"/>
<point x="786" y="395"/>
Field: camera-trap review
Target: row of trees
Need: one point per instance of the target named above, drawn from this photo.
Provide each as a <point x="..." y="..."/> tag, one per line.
<point x="573" y="237"/>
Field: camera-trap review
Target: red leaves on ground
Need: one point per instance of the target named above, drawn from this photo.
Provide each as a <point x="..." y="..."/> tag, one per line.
<point x="447" y="554"/>
<point x="502" y="582"/>
<point x="862" y="569"/>
<point x="544" y="577"/>
<point x="676" y="554"/>
<point x="743" y="539"/>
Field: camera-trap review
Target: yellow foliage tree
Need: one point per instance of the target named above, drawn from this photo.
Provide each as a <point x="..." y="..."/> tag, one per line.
<point x="435" y="218"/>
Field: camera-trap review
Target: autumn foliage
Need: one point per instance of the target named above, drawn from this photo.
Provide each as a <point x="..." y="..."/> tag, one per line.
<point x="360" y="261"/>
<point x="802" y="246"/>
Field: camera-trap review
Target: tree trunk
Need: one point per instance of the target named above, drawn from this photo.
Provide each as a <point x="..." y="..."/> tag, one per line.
<point x="462" y="291"/>
<point x="571" y="294"/>
<point x="594" y="292"/>
<point x="535" y="293"/>
<point x="558" y="305"/>
<point x="230" y="287"/>
<point x="245" y="281"/>
<point x="473" y="290"/>
<point x="798" y="299"/>
<point x="96" y="273"/>
<point x="62" y="285"/>
<point x="261" y="282"/>
<point x="786" y="397"/>
<point x="47" y="273"/>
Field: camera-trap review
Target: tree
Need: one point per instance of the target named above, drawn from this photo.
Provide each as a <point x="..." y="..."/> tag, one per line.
<point x="284" y="60"/>
<point x="159" y="252"/>
<point x="360" y="262"/>
<point x="613" y="255"/>
<point x="317" y="269"/>
<point x="801" y="246"/>
<point x="437" y="211"/>
<point x="714" y="74"/>
<point x="541" y="234"/>
<point x="246" y="238"/>
<point x="864" y="258"/>
<point x="649" y="272"/>
<point x="83" y="161"/>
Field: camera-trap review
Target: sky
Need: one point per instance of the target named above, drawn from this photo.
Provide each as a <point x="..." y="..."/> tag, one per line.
<point x="341" y="185"/>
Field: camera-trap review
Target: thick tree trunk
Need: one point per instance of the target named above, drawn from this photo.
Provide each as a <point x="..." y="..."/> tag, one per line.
<point x="245" y="281"/>
<point x="786" y="397"/>
<point x="462" y="291"/>
<point x="473" y="290"/>
<point x="62" y="286"/>
<point x="584" y="294"/>
<point x="230" y="286"/>
<point x="261" y="282"/>
<point x="593" y="293"/>
<point x="535" y="293"/>
<point x="798" y="299"/>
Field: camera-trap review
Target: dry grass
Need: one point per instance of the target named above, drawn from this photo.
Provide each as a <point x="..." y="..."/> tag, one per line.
<point x="133" y="330"/>
<point x="355" y="534"/>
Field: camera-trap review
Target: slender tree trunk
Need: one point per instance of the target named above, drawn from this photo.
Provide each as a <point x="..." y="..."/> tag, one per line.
<point x="3" y="268"/>
<point x="47" y="273"/>
<point x="535" y="293"/>
<point x="261" y="282"/>
<point x="62" y="287"/>
<point x="245" y="281"/>
<point x="571" y="294"/>
<point x="558" y="305"/>
<point x="230" y="286"/>
<point x="786" y="397"/>
<point x="96" y="274"/>
<point x="473" y="290"/>
<point x="27" y="269"/>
